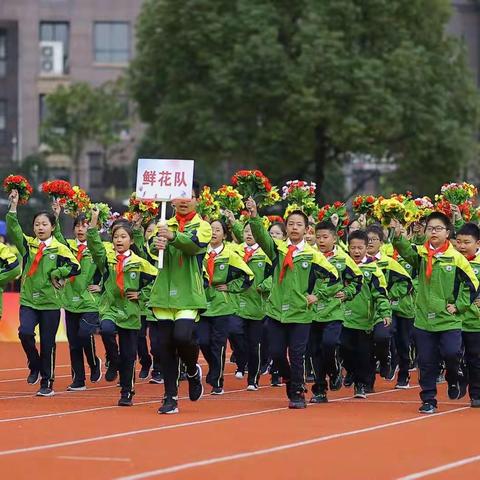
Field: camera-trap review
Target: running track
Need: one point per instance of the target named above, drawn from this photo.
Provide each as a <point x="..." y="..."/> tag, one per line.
<point x="242" y="435"/>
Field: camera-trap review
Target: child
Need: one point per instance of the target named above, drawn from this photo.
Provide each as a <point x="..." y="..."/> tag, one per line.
<point x="251" y="303"/>
<point x="226" y="274"/>
<point x="329" y="314"/>
<point x="80" y="301"/>
<point x="9" y="269"/>
<point x="178" y="296"/>
<point x="468" y="244"/>
<point x="47" y="264"/>
<point x="127" y="278"/>
<point x="400" y="294"/>
<point x="447" y="286"/>
<point x="370" y="303"/>
<point x="297" y="269"/>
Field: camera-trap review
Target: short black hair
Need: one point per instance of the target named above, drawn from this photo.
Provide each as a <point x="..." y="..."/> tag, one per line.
<point x="358" y="235"/>
<point x="471" y="230"/>
<point x="442" y="218"/>
<point x="377" y="230"/>
<point x="280" y="225"/>
<point x="120" y="221"/>
<point x="127" y="226"/>
<point x="81" y="218"/>
<point x="51" y="217"/>
<point x="196" y="189"/>
<point x="225" y="229"/>
<point x="298" y="212"/>
<point x="326" y="225"/>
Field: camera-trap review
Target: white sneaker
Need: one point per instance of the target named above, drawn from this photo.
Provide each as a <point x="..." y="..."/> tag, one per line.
<point x="252" y="388"/>
<point x="239" y="375"/>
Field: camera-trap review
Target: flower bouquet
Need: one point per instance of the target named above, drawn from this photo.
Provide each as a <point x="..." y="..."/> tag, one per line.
<point x="253" y="183"/>
<point x="275" y="219"/>
<point x="104" y="216"/>
<point x="388" y="209"/>
<point x="21" y="184"/>
<point x="424" y="205"/>
<point x="458" y="193"/>
<point x="58" y="190"/>
<point x="78" y="203"/>
<point x="300" y="195"/>
<point x="337" y="213"/>
<point x="229" y="199"/>
<point x="364" y="205"/>
<point x="148" y="209"/>
<point x="207" y="206"/>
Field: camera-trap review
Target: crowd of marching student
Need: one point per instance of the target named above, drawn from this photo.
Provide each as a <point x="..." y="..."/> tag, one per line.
<point x="292" y="298"/>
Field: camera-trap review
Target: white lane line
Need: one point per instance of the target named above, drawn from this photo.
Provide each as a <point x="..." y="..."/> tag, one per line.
<point x="96" y="459"/>
<point x="149" y="402"/>
<point x="23" y="379"/>
<point x="26" y="368"/>
<point x="280" y="448"/>
<point x="441" y="468"/>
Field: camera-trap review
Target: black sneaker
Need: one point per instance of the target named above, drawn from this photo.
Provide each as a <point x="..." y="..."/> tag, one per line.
<point x="33" y="377"/>
<point x="76" y="387"/>
<point x="195" y="386"/>
<point x="276" y="380"/>
<point x="369" y="389"/>
<point x="126" y="400"/>
<point x="111" y="373"/>
<point x="297" y="401"/>
<point x="183" y="376"/>
<point x="144" y="373"/>
<point x="335" y="383"/>
<point x="403" y="382"/>
<point x="157" y="377"/>
<point x="360" y="391"/>
<point x="475" y="402"/>
<point x="169" y="406"/>
<point x="264" y="369"/>
<point x="387" y="371"/>
<point x="457" y="391"/>
<point x="45" y="392"/>
<point x="310" y="378"/>
<point x="319" y="398"/>
<point x="427" y="408"/>
<point x="217" y="391"/>
<point x="96" y="372"/>
<point x="348" y="380"/>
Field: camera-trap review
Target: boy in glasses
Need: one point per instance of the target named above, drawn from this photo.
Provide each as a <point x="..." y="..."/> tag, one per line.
<point x="447" y="286"/>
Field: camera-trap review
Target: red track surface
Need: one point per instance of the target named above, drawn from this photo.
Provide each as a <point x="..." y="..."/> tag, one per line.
<point x="242" y="435"/>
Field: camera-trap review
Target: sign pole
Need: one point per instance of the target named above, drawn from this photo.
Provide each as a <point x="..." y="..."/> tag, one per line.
<point x="163" y="219"/>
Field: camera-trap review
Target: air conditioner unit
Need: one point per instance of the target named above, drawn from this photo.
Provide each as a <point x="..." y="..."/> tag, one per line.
<point x="51" y="58"/>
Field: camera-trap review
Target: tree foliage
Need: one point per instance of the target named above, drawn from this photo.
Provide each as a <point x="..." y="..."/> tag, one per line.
<point x="293" y="87"/>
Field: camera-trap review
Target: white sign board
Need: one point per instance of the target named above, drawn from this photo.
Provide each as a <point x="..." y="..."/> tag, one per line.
<point x="164" y="180"/>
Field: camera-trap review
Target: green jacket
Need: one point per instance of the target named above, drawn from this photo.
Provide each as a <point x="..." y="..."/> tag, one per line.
<point x="471" y="317"/>
<point x="139" y="276"/>
<point x="75" y="296"/>
<point x="230" y="270"/>
<point x="331" y="308"/>
<point x="371" y="303"/>
<point x="179" y="284"/>
<point x="287" y="302"/>
<point x="37" y="291"/>
<point x="452" y="282"/>
<point x="10" y="269"/>
<point x="251" y="303"/>
<point x="399" y="286"/>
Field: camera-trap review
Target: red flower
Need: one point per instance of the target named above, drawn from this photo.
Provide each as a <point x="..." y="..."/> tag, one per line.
<point x="346" y="222"/>
<point x="337" y="204"/>
<point x="370" y="199"/>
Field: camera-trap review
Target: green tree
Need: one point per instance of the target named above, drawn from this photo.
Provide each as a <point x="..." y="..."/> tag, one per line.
<point x="294" y="87"/>
<point x="80" y="114"/>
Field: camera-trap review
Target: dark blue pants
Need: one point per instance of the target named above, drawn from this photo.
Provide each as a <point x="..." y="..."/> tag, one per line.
<point x="471" y="342"/>
<point x="402" y="333"/>
<point x="357" y="351"/>
<point x="432" y="347"/>
<point x="253" y="333"/>
<point x="48" y="321"/>
<point x="238" y="340"/>
<point x="288" y="345"/>
<point x="122" y="355"/>
<point x="80" y="330"/>
<point x="144" y="355"/>
<point x="212" y="333"/>
<point x="176" y="342"/>
<point x="325" y="339"/>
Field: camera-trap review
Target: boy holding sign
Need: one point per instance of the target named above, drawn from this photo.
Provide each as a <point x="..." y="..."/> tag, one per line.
<point x="178" y="294"/>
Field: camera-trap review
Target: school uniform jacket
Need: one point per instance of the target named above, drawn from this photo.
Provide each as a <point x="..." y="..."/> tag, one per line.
<point x="9" y="269"/>
<point x="371" y="303"/>
<point x="37" y="290"/>
<point x="179" y="284"/>
<point x="138" y="276"/>
<point x="333" y="309"/>
<point x="287" y="302"/>
<point x="230" y="270"/>
<point x="471" y="317"/>
<point x="452" y="282"/>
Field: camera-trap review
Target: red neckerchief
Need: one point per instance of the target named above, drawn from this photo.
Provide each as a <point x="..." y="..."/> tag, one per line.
<point x="36" y="260"/>
<point x="120" y="274"/>
<point x="287" y="262"/>
<point x="184" y="219"/>
<point x="211" y="266"/>
<point x="431" y="252"/>
<point x="81" y="248"/>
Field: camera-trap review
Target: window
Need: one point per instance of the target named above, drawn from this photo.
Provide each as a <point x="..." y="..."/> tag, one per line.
<point x="3" y="121"/>
<point x="96" y="169"/>
<point x="42" y="107"/>
<point x="57" y="32"/>
<point x="3" y="53"/>
<point x="111" y="42"/>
